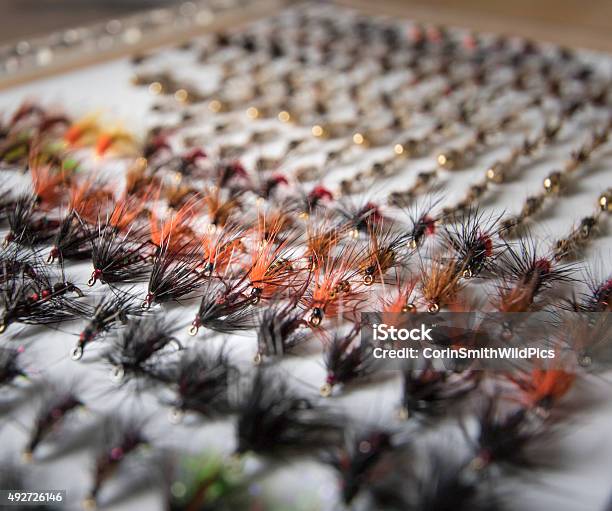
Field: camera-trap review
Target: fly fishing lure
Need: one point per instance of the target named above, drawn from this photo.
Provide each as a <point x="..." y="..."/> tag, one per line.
<point x="226" y="172"/>
<point x="118" y="141"/>
<point x="189" y="164"/>
<point x="177" y="193"/>
<point x="347" y="360"/>
<point x="472" y="238"/>
<point x="525" y="274"/>
<point x="574" y="243"/>
<point x="47" y="182"/>
<point x="281" y="329"/>
<point x="335" y="285"/>
<point x="221" y="206"/>
<point x="185" y="165"/>
<point x="363" y="457"/>
<point x="10" y="368"/>
<point x="542" y="388"/>
<point x="268" y="187"/>
<point x="88" y="197"/>
<point x="438" y="484"/>
<point x="16" y="260"/>
<point x="173" y="275"/>
<point x="41" y="300"/>
<point x="598" y="298"/>
<point x="271" y="268"/>
<point x="83" y="132"/>
<point x="274" y="224"/>
<point x="123" y="442"/>
<point x="127" y="210"/>
<point x="307" y="204"/>
<point x="360" y="219"/>
<point x="400" y="301"/>
<point x="421" y="224"/>
<point x="387" y="249"/>
<point x="219" y="247"/>
<point x="175" y="232"/>
<point x="202" y="382"/>
<point x="119" y="257"/>
<point x="27" y="225"/>
<point x="321" y="239"/>
<point x="137" y="350"/>
<point x="156" y="143"/>
<point x="28" y="112"/>
<point x="440" y="283"/>
<point x="226" y="307"/>
<point x="111" y="311"/>
<point x="505" y="438"/>
<point x="140" y="179"/>
<point x="73" y="239"/>
<point x="49" y="418"/>
<point x="427" y="391"/>
<point x="273" y="420"/>
<point x="207" y="482"/>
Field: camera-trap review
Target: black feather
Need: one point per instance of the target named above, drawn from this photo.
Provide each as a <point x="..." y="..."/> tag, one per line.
<point x="41" y="300"/>
<point x="273" y="420"/>
<point x="173" y="276"/>
<point x="203" y="384"/>
<point x="27" y="226"/>
<point x="119" y="257"/>
<point x="137" y="350"/>
<point x="72" y="241"/>
<point x="10" y="368"/>
<point x="225" y="308"/>
<point x="347" y="360"/>
<point x="111" y="311"/>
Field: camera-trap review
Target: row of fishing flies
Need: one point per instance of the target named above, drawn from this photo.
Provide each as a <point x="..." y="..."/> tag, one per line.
<point x="274" y="420"/>
<point x="309" y="257"/>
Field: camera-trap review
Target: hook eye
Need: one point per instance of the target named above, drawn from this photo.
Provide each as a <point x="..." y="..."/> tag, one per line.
<point x="176" y="415"/>
<point x="117" y="374"/>
<point x="76" y="353"/>
<point x="326" y="390"/>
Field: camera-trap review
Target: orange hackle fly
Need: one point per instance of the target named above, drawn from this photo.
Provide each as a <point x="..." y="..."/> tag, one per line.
<point x="440" y="283"/>
<point x="87" y="198"/>
<point x="175" y="232"/>
<point x="272" y="261"/>
<point x="336" y="285"/>
<point x="125" y="211"/>
<point x="219" y="208"/>
<point x="219" y="247"/>
<point x="118" y="141"/>
<point x="542" y="388"/>
<point x="83" y="132"/>
<point x="47" y="181"/>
